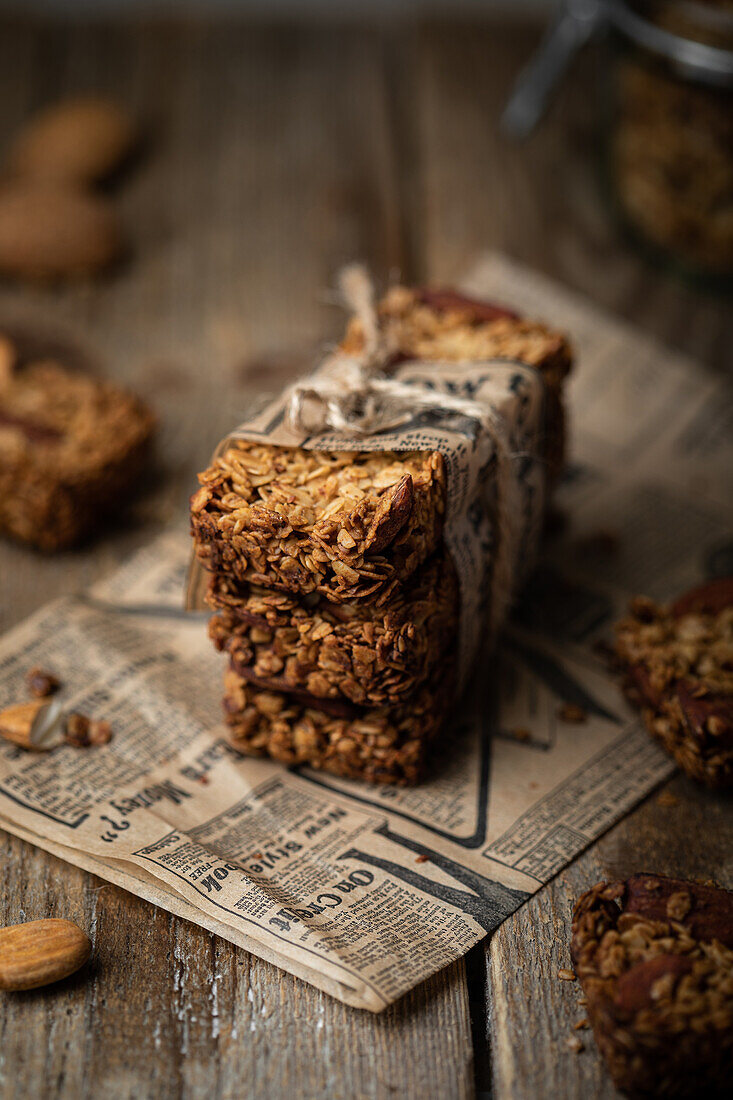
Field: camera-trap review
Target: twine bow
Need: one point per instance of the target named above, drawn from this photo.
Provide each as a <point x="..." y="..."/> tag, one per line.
<point x="352" y="394"/>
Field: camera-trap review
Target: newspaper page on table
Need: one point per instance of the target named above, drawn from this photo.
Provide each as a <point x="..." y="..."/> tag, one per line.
<point x="366" y="891"/>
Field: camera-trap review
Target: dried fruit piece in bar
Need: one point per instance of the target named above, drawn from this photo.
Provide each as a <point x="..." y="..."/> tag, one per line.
<point x="678" y="664"/>
<point x="654" y="956"/>
<point x="368" y="654"/>
<point x="71" y="449"/>
<point x="421" y="323"/>
<point x="347" y="525"/>
<point x="381" y="745"/>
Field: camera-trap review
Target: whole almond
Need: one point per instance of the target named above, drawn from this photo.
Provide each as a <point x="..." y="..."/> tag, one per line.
<point x="76" y="141"/>
<point x="40" y="952"/>
<point x="49" y="232"/>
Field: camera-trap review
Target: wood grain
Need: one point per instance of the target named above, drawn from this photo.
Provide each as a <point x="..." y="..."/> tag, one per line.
<point x="164" y="1009"/>
<point x="272" y="154"/>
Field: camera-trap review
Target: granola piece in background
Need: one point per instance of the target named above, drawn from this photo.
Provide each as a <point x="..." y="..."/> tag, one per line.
<point x="654" y="957"/>
<point x="672" y="161"/>
<point x="77" y="730"/>
<point x="72" y="448"/>
<point x="678" y="664"/>
<point x="100" y="732"/>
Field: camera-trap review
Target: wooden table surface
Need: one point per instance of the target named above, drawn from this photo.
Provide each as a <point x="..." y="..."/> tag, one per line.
<point x="274" y="154"/>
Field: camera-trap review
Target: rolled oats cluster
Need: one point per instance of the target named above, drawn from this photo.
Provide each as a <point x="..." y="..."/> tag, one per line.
<point x="346" y="525"/>
<point x="654" y="957"/>
<point x="380" y="744"/>
<point x="678" y="665"/>
<point x="371" y="654"/>
<point x="672" y="158"/>
<point x="336" y="600"/>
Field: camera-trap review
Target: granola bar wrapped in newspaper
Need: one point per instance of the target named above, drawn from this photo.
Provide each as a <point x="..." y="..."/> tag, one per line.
<point x="363" y="531"/>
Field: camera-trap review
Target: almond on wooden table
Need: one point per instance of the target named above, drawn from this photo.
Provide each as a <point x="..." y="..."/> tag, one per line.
<point x="51" y="232"/>
<point x="75" y="141"/>
<point x="40" y="952"/>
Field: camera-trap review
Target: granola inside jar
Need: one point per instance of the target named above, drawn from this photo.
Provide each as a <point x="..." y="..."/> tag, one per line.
<point x="670" y="141"/>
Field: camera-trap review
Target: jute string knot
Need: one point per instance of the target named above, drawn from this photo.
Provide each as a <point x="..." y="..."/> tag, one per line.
<point x="352" y="394"/>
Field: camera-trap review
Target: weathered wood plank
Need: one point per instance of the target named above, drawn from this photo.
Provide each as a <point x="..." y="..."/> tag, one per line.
<point x="166" y="1010"/>
<point x="271" y="160"/>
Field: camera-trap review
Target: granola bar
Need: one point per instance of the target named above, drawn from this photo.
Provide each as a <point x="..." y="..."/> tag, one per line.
<point x="371" y="655"/>
<point x="71" y="448"/>
<point x="678" y="664"/>
<point x="654" y="956"/>
<point x="380" y="745"/>
<point x="346" y="525"/>
<point x="420" y="323"/>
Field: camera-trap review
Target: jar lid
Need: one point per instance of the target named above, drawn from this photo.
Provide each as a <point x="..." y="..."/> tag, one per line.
<point x="696" y="36"/>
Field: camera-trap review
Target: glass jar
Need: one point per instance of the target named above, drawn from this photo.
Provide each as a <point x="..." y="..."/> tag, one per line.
<point x="670" y="129"/>
<point x="670" y="117"/>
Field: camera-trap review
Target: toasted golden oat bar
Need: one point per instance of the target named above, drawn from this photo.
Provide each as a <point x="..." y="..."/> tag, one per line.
<point x="419" y="323"/>
<point x="347" y="525"/>
<point x="372" y="655"/>
<point x="71" y="448"/>
<point x="380" y="745"/>
<point x="654" y="956"/>
<point x="678" y="664"/>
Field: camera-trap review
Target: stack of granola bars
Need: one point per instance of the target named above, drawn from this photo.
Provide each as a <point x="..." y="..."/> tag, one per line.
<point x="335" y="597"/>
